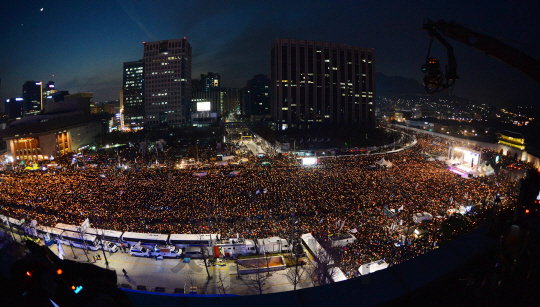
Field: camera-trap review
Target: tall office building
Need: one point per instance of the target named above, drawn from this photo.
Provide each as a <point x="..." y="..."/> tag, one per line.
<point x="232" y="100"/>
<point x="133" y="94"/>
<point x="210" y="81"/>
<point x="257" y="96"/>
<point x="318" y="82"/>
<point x="14" y="107"/>
<point x="208" y="88"/>
<point x="167" y="82"/>
<point x="32" y="97"/>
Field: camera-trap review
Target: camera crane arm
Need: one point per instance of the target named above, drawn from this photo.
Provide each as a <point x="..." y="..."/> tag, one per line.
<point x="491" y="46"/>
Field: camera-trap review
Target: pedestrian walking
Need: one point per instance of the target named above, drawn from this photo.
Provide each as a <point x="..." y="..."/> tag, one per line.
<point x="125" y="273"/>
<point x="122" y="249"/>
<point x="94" y="258"/>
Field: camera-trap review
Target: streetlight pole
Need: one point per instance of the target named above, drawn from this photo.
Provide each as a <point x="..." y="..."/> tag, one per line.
<point x="101" y="242"/>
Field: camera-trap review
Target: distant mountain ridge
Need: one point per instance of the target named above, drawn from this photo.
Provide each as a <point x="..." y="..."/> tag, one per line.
<point x="397" y="85"/>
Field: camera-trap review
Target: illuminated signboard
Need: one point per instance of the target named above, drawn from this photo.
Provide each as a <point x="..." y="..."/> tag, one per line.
<point x="19" y="99"/>
<point x="203" y="106"/>
<point x="309" y="161"/>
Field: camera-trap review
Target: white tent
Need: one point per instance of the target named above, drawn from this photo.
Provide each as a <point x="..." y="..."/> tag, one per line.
<point x="489" y="170"/>
<point x="442" y="158"/>
<point x="381" y="161"/>
<point x="388" y="164"/>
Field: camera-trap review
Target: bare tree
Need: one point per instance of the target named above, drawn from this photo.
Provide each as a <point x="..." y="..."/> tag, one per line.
<point x="259" y="281"/>
<point x="191" y="283"/>
<point x="326" y="261"/>
<point x="294" y="275"/>
<point x="221" y="285"/>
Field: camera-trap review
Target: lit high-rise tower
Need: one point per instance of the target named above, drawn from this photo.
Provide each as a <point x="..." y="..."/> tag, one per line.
<point x="318" y="82"/>
<point x="167" y="82"/>
<point x="133" y="94"/>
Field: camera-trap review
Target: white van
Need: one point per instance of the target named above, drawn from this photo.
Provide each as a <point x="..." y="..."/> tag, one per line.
<point x="170" y="251"/>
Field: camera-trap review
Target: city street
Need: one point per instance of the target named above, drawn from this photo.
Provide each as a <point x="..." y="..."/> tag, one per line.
<point x="255" y="149"/>
<point x="174" y="273"/>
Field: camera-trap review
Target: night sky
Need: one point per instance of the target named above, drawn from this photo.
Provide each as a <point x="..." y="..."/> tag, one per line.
<point x="84" y="43"/>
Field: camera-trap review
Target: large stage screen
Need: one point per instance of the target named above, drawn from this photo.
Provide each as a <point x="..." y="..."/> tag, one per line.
<point x="309" y="161"/>
<point x="471" y="156"/>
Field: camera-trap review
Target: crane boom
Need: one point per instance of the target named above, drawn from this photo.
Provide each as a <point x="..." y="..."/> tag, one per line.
<point x="491" y="46"/>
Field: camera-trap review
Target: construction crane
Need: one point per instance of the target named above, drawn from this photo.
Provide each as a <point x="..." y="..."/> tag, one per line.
<point x="436" y="81"/>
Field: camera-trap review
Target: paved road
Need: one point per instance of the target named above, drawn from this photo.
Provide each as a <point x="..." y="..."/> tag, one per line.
<point x="174" y="273"/>
<point x="255" y="149"/>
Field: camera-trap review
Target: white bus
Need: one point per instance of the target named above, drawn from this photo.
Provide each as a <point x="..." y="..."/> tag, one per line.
<point x="68" y="227"/>
<point x="53" y="233"/>
<point x="315" y="250"/>
<point x="337" y="274"/>
<point x="107" y="235"/>
<point x="342" y="239"/>
<point x="187" y="240"/>
<point x="90" y="241"/>
<point x="272" y="245"/>
<point x="234" y="247"/>
<point x="146" y="239"/>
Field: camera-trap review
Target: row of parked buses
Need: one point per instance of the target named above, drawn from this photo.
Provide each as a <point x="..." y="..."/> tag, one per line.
<point x="149" y="244"/>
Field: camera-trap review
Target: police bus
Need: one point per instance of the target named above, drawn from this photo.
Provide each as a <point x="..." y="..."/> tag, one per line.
<point x="86" y="241"/>
<point x="146" y="239"/>
<point x="68" y="227"/>
<point x="107" y="235"/>
<point x="187" y="240"/>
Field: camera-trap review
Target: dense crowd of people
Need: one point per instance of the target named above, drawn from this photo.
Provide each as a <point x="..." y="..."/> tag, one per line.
<point x="338" y="195"/>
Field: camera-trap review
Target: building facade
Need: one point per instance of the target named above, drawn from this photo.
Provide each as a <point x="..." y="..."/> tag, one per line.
<point x="167" y="82"/>
<point x="133" y="94"/>
<point x="52" y="138"/>
<point x="318" y="82"/>
<point x="257" y="96"/>
<point x="14" y="107"/>
<point x="32" y="97"/>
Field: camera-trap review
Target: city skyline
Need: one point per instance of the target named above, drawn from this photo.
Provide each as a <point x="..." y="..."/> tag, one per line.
<point x="84" y="45"/>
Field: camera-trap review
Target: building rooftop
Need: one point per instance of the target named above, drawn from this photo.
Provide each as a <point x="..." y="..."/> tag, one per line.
<point x="49" y="123"/>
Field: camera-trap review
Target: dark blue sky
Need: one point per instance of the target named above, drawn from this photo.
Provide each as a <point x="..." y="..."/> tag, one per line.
<point x="84" y="43"/>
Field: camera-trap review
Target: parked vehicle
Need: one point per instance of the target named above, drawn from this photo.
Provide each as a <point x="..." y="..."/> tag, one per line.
<point x="169" y="251"/>
<point x="140" y="251"/>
